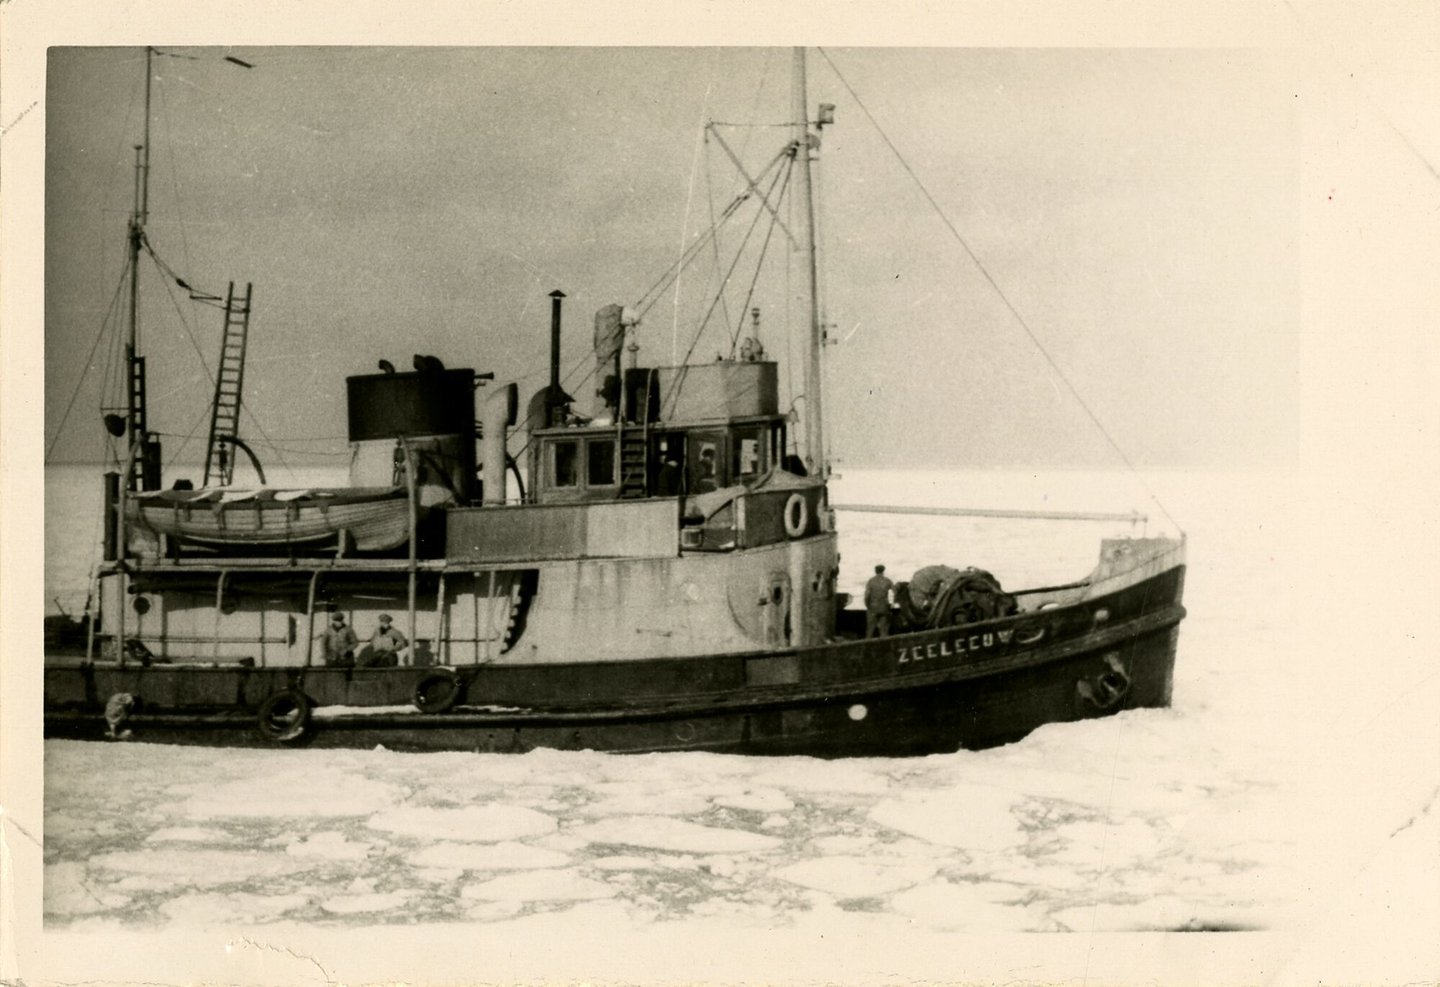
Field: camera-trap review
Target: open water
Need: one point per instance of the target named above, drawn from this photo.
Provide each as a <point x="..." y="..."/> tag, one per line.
<point x="1252" y="805"/>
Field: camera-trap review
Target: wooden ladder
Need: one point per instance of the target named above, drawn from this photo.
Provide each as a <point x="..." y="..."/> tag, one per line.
<point x="634" y="460"/>
<point x="229" y="378"/>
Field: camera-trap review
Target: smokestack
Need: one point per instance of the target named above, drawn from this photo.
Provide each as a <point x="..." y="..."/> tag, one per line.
<point x="554" y="392"/>
<point x="500" y="407"/>
<point x="609" y="338"/>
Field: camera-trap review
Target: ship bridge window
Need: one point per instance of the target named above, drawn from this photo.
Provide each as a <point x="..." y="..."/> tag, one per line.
<point x="749" y="454"/>
<point x="705" y="461"/>
<point x="600" y="462"/>
<point x="564" y="458"/>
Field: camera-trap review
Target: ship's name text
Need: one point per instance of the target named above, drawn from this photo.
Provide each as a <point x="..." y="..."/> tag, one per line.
<point x="964" y="644"/>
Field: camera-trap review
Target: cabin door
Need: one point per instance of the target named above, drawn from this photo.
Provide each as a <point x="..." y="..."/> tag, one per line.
<point x="775" y="610"/>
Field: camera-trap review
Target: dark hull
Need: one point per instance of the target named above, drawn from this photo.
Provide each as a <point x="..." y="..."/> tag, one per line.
<point x="924" y="692"/>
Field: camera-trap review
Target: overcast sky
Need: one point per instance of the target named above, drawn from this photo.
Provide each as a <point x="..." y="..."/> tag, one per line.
<point x="1137" y="207"/>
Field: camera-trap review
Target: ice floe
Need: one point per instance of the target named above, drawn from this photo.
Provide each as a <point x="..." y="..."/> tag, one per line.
<point x="203" y="868"/>
<point x="972" y="907"/>
<point x="856" y="877"/>
<point x="329" y="845"/>
<point x="293" y="792"/>
<point x="665" y="833"/>
<point x="540" y="885"/>
<point x="473" y="823"/>
<point x="974" y="816"/>
<point x="234" y="908"/>
<point x="767" y="800"/>
<point x="71" y="890"/>
<point x="354" y="904"/>
<point x="508" y="855"/>
<point x="620" y="862"/>
<point x="188" y="834"/>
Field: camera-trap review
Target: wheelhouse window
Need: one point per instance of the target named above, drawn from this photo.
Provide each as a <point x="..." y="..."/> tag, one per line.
<point x="564" y="463"/>
<point x="600" y="462"/>
<point x="705" y="461"/>
<point x="749" y="455"/>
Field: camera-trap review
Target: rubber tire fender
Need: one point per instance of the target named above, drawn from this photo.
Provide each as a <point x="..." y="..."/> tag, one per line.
<point x="438" y="691"/>
<point x="284" y="716"/>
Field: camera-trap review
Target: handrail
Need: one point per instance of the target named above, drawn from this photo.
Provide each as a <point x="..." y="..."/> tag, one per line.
<point x="1134" y="517"/>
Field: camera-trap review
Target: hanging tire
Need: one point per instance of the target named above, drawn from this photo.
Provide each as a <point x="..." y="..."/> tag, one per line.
<point x="1106" y="690"/>
<point x="797" y="515"/>
<point x="284" y="717"/>
<point x="438" y="691"/>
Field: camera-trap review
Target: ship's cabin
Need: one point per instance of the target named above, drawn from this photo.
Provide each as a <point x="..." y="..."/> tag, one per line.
<point x="679" y="431"/>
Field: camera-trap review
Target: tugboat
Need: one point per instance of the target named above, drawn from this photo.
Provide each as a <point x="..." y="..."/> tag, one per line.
<point x="654" y="572"/>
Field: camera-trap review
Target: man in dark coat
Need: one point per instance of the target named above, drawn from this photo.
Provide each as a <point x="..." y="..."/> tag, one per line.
<point x="338" y="641"/>
<point x="877" y="604"/>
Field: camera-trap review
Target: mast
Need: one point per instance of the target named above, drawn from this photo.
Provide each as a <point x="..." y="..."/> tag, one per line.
<point x="134" y="363"/>
<point x="805" y="144"/>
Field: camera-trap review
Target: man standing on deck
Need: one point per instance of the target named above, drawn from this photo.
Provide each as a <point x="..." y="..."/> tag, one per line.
<point x="338" y="641"/>
<point x="386" y="644"/>
<point x="877" y="604"/>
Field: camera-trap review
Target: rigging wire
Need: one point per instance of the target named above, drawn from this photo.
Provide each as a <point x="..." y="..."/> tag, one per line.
<point x="759" y="214"/>
<point x="764" y="247"/>
<point x="203" y="363"/>
<point x="1014" y="312"/>
<point x="175" y="170"/>
<point x="656" y="290"/>
<point x="89" y="360"/>
<point x="685" y="222"/>
<point x="175" y="456"/>
<point x="766" y="60"/>
<point x="715" y="240"/>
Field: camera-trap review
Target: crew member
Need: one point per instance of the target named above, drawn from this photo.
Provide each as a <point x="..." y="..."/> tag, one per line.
<point x="338" y="641"/>
<point x="706" y="478"/>
<point x="877" y="604"/>
<point x="386" y="644"/>
<point x="667" y="484"/>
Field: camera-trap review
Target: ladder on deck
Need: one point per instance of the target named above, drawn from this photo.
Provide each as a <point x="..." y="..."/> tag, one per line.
<point x="137" y="431"/>
<point x="633" y="463"/>
<point x="229" y="378"/>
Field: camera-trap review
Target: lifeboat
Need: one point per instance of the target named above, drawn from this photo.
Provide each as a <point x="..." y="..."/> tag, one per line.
<point x="375" y="519"/>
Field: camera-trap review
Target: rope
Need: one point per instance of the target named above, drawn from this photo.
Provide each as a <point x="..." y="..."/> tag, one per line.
<point x="680" y="384"/>
<point x="193" y="428"/>
<point x="980" y="266"/>
<point x="685" y="222"/>
<point x="750" y="292"/>
<point x="174" y="169"/>
<point x="206" y="366"/>
<point x="104" y="326"/>
<point x="715" y="240"/>
<point x="181" y="314"/>
<point x="673" y="271"/>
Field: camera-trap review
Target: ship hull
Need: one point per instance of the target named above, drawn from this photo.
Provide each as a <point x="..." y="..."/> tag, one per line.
<point x="917" y="693"/>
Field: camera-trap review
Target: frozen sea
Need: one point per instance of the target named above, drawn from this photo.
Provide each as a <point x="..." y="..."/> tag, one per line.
<point x="1287" y="802"/>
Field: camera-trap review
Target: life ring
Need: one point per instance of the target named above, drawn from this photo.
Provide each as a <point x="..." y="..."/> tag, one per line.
<point x="797" y="515"/>
<point x="437" y="691"/>
<point x="284" y="717"/>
